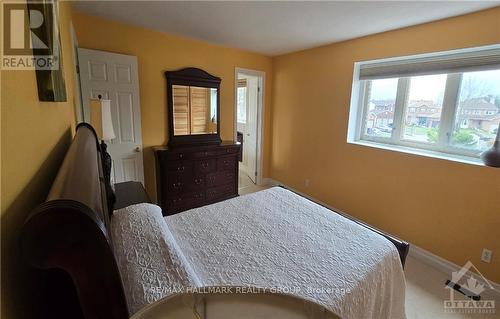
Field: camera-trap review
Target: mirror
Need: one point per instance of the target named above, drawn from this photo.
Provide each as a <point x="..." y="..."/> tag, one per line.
<point x="195" y="110"/>
<point x="193" y="107"/>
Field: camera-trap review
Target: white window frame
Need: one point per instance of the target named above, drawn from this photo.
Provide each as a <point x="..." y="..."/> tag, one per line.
<point x="442" y="148"/>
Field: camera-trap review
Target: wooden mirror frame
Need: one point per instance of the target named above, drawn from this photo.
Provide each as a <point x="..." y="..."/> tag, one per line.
<point x="191" y="77"/>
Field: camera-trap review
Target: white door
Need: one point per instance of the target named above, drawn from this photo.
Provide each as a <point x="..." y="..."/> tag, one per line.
<point x="250" y="138"/>
<point x="114" y="77"/>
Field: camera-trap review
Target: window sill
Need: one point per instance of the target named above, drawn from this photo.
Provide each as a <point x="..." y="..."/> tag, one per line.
<point x="420" y="152"/>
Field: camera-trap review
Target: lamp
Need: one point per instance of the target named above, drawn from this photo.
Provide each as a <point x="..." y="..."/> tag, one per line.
<point x="491" y="157"/>
<point x="108" y="133"/>
<point x="100" y="118"/>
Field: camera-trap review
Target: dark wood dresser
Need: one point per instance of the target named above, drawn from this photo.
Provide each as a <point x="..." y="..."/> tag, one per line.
<point x="194" y="176"/>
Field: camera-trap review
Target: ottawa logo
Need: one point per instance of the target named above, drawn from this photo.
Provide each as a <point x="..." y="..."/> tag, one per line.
<point x="466" y="288"/>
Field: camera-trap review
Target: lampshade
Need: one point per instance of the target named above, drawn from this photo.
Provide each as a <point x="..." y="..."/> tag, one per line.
<point x="108" y="133"/>
<point x="100" y="119"/>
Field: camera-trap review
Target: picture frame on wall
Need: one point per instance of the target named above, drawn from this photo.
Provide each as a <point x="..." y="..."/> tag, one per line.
<point x="46" y="45"/>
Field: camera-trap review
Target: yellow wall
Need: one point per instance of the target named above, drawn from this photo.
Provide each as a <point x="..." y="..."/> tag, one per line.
<point x="158" y="52"/>
<point x="34" y="138"/>
<point x="448" y="208"/>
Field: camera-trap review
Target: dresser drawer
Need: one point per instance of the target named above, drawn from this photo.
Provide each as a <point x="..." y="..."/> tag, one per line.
<point x="226" y="163"/>
<point x="171" y="156"/>
<point x="219" y="192"/>
<point x="177" y="183"/>
<point x="179" y="166"/>
<point x="203" y="154"/>
<point x="228" y="150"/>
<point x="220" y="178"/>
<point x="205" y="165"/>
<point x="185" y="201"/>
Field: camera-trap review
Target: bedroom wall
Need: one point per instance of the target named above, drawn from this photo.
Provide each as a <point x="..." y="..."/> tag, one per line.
<point x="448" y="208"/>
<point x="34" y="138"/>
<point x="158" y="52"/>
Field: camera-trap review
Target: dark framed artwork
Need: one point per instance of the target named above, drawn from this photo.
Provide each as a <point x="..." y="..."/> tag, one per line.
<point x="46" y="44"/>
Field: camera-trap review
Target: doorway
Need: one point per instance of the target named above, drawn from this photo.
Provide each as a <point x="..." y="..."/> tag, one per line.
<point x="249" y="105"/>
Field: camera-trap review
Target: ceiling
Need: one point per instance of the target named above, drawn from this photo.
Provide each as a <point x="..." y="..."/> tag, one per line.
<point x="274" y="28"/>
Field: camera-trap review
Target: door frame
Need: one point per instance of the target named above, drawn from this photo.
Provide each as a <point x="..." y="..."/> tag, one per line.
<point x="260" y="111"/>
<point x="78" y="89"/>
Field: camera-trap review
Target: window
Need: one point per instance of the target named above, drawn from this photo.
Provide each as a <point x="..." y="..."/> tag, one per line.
<point x="427" y="91"/>
<point x="213" y="105"/>
<point x="381" y="96"/>
<point x="479" y="94"/>
<point x="242" y="104"/>
<point x="445" y="102"/>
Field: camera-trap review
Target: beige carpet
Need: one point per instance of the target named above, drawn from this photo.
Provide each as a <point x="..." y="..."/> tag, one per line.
<point x="246" y="186"/>
<point x="426" y="292"/>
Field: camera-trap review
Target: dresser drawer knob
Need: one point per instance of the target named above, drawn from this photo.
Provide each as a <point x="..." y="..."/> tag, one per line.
<point x="177" y="185"/>
<point x="180" y="168"/>
<point x="204" y="164"/>
<point x="181" y="155"/>
<point x="198" y="181"/>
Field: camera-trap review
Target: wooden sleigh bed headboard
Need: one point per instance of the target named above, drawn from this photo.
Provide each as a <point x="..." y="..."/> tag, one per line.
<point x="69" y="230"/>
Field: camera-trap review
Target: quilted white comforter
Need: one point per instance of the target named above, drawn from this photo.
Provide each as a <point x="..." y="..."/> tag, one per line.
<point x="277" y="239"/>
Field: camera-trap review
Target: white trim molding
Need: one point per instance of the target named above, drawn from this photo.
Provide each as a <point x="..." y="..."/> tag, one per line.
<point x="441" y="264"/>
<point x="260" y="115"/>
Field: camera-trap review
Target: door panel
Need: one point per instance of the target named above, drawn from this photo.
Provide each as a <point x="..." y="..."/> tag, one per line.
<point x="123" y="74"/>
<point x="114" y="76"/>
<point x="97" y="71"/>
<point x="250" y="139"/>
<point x="129" y="169"/>
<point x="126" y="117"/>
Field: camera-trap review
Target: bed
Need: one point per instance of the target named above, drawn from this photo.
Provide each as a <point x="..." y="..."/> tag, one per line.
<point x="273" y="238"/>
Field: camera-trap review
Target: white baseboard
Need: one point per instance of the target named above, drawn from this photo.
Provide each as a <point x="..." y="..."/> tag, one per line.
<point x="266" y="181"/>
<point x="416" y="252"/>
<point x="441" y="264"/>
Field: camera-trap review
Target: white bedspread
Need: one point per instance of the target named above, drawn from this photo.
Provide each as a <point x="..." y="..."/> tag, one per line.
<point x="275" y="238"/>
<point x="151" y="264"/>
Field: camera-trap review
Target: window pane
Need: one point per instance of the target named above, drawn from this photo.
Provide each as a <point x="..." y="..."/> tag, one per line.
<point x="242" y="105"/>
<point x="381" y="100"/>
<point x="423" y="110"/>
<point x="477" y="115"/>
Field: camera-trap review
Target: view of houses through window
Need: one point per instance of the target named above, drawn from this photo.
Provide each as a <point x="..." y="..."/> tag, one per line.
<point x="471" y="101"/>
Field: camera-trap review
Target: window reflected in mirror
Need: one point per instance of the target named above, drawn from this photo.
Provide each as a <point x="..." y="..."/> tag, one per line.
<point x="194" y="110"/>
